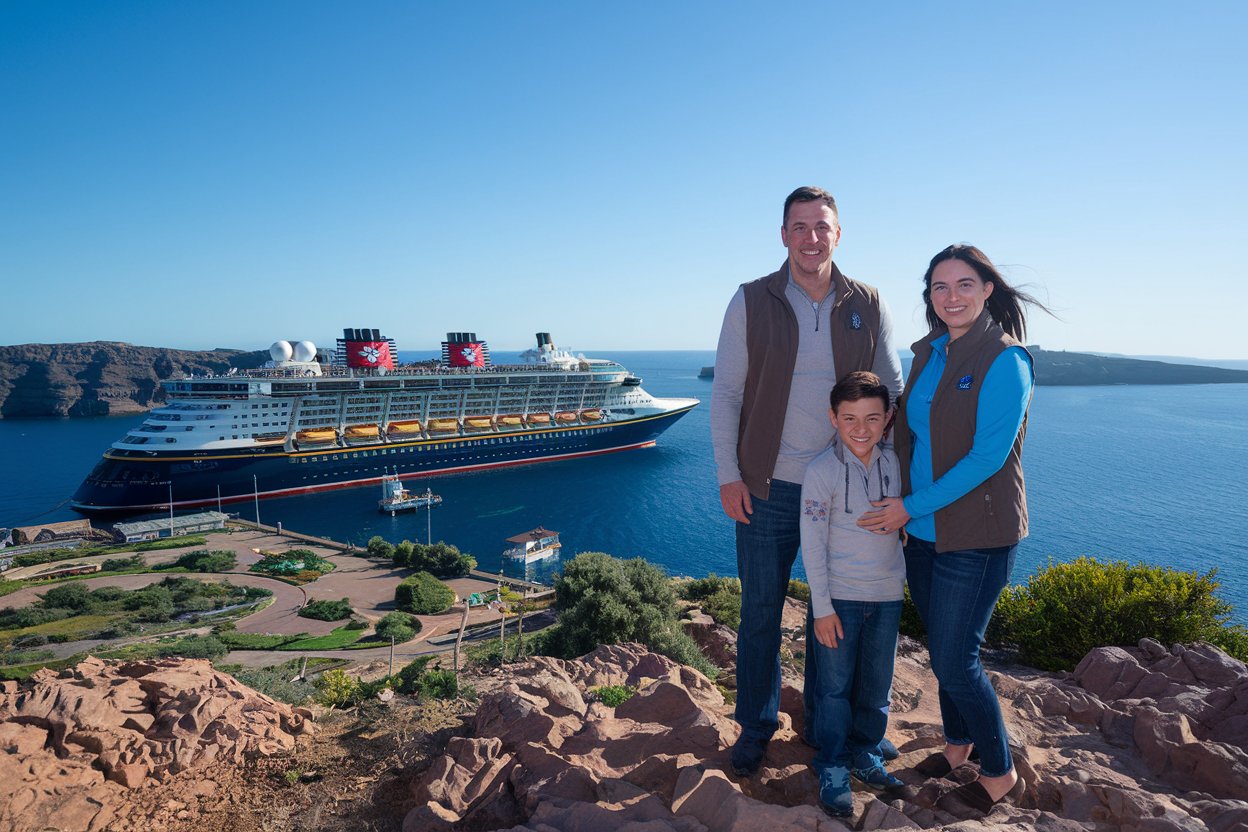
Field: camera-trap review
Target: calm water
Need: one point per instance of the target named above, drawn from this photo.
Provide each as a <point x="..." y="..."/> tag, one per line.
<point x="1138" y="473"/>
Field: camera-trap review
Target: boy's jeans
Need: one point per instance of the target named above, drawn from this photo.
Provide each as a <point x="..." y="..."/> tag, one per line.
<point x="766" y="549"/>
<point x="956" y="593"/>
<point x="855" y="681"/>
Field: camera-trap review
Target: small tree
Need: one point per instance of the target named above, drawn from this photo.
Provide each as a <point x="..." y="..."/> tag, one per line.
<point x="398" y="626"/>
<point x="403" y="553"/>
<point x="379" y="547"/>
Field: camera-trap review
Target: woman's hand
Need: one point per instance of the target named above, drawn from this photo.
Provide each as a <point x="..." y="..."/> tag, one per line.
<point x="828" y="629"/>
<point x="889" y="517"/>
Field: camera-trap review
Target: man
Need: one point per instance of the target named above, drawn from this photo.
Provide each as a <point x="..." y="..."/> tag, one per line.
<point x="787" y="339"/>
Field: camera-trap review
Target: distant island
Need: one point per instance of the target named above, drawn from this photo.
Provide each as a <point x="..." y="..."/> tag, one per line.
<point x="103" y="378"/>
<point x="1082" y="369"/>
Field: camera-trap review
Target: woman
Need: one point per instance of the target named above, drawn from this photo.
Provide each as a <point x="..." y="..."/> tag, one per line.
<point x="959" y="434"/>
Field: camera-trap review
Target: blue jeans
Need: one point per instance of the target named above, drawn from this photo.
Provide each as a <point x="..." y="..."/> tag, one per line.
<point x="855" y="681"/>
<point x="955" y="593"/>
<point x="766" y="549"/>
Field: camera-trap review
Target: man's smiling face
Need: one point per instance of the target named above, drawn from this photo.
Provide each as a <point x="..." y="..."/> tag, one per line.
<point x="811" y="234"/>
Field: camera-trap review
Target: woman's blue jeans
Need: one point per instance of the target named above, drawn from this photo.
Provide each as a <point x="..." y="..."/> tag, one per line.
<point x="766" y="549"/>
<point x="955" y="593"/>
<point x="855" y="681"/>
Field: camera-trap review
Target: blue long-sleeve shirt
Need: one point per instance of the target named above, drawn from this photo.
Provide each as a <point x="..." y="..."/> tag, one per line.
<point x="999" y="414"/>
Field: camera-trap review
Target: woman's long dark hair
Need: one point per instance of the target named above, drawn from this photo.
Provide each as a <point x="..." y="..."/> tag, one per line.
<point x="1005" y="304"/>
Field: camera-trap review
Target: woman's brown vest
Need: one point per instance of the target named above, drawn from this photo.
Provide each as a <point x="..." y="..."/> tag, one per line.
<point x="994" y="513"/>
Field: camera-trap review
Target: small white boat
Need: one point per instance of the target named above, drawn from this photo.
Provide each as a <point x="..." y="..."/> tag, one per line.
<point x="396" y="498"/>
<point x="534" y="545"/>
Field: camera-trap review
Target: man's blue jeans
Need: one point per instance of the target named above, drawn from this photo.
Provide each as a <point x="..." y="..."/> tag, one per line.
<point x="766" y="549"/>
<point x="955" y="593"/>
<point x="855" y="681"/>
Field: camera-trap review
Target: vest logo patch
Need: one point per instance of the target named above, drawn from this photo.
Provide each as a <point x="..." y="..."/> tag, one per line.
<point x="855" y="321"/>
<point x="965" y="382"/>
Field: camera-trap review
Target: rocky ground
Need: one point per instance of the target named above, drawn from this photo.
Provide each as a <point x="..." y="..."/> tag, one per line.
<point x="1148" y="738"/>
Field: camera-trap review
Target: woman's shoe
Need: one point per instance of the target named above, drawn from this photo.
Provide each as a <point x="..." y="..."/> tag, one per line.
<point x="935" y="766"/>
<point x="973" y="800"/>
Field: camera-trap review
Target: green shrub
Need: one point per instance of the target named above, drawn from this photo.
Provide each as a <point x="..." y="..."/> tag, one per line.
<point x="403" y="553"/>
<point x="398" y="626"/>
<point x="800" y="590"/>
<point x="12" y="657"/>
<point x="378" y="547"/>
<point x="408" y="679"/>
<point x="335" y="689"/>
<point x="439" y="684"/>
<point x="215" y="560"/>
<point x="912" y="623"/>
<point x="614" y="696"/>
<point x="122" y="564"/>
<point x="724" y="606"/>
<point x="423" y="594"/>
<point x="195" y="647"/>
<point x="604" y="600"/>
<point x="274" y="681"/>
<point x="327" y="610"/>
<point x="356" y="624"/>
<point x="74" y="596"/>
<point x="703" y="588"/>
<point x="1067" y="609"/>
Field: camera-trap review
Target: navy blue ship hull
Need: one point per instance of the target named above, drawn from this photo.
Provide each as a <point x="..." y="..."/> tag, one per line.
<point x="122" y="484"/>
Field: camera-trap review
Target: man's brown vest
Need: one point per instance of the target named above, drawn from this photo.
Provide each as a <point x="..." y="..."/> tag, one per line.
<point x="994" y="513"/>
<point x="771" y="344"/>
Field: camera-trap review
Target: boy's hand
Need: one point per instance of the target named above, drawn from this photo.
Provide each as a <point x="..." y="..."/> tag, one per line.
<point x="889" y="517"/>
<point x="828" y="630"/>
<point x="735" y="498"/>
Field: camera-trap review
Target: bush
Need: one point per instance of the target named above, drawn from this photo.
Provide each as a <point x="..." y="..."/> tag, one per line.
<point x="327" y="610"/>
<point x="703" y="588"/>
<point x="403" y="553"/>
<point x="71" y="596"/>
<point x="423" y="594"/>
<point x="379" y="548"/>
<point x="604" y="600"/>
<point x="122" y="564"/>
<point x="912" y="623"/>
<point x="614" y="696"/>
<point x="408" y="679"/>
<point x="335" y="689"/>
<point x="1067" y="609"/>
<point x="195" y="647"/>
<point x="725" y="607"/>
<point x="398" y="625"/>
<point x="356" y="624"/>
<point x="799" y="590"/>
<point x="439" y="684"/>
<point x="215" y="560"/>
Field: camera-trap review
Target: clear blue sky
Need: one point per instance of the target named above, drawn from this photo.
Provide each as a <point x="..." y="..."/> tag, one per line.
<point x="226" y="174"/>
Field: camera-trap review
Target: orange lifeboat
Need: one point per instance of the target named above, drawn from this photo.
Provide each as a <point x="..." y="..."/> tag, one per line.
<point x="443" y="425"/>
<point x="316" y="436"/>
<point x="479" y="422"/>
<point x="592" y="415"/>
<point x="402" y="430"/>
<point x="565" y="416"/>
<point x="538" y="418"/>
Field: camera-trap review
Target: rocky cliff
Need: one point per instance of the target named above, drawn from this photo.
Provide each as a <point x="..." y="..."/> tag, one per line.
<point x="100" y="378"/>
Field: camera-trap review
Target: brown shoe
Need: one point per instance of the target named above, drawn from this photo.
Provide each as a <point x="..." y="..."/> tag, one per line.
<point x="973" y="800"/>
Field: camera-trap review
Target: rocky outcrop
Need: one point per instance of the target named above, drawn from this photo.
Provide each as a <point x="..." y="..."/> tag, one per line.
<point x="74" y="742"/>
<point x="1134" y="740"/>
<point x="100" y="378"/>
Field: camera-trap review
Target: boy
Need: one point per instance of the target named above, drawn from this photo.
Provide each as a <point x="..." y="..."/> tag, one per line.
<point x="856" y="581"/>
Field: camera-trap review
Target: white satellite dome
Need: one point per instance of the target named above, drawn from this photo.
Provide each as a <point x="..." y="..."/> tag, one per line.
<point x="305" y="351"/>
<point x="281" y="351"/>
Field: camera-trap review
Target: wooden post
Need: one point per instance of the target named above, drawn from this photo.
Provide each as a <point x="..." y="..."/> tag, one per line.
<point x="463" y="625"/>
<point x="391" y="655"/>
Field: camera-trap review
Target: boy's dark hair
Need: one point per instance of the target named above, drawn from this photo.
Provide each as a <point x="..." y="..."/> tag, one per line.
<point x="808" y="193"/>
<point x="859" y="385"/>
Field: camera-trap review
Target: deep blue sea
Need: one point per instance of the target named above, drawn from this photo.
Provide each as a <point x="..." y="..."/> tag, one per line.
<point x="1130" y="472"/>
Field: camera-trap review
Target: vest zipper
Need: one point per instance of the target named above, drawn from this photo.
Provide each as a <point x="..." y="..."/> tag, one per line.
<point x="988" y="504"/>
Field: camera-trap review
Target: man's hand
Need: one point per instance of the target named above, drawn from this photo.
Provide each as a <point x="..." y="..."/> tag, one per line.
<point x="735" y="498"/>
<point x="828" y="630"/>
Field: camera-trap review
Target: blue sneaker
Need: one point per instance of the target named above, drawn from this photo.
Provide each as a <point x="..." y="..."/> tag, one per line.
<point x="887" y="750"/>
<point x="747" y="755"/>
<point x="834" y="792"/>
<point x="874" y="776"/>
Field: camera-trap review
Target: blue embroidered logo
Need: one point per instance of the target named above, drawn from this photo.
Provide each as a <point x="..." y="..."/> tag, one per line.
<point x="964" y="383"/>
<point x="855" y="321"/>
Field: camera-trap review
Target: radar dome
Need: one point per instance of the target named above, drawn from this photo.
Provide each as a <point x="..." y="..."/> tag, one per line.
<point x="305" y="351"/>
<point x="281" y="351"/>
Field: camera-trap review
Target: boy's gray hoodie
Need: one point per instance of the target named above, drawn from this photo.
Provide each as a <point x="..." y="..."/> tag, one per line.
<point x="841" y="559"/>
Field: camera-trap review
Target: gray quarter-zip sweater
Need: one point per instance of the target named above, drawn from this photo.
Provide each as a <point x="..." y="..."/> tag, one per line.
<point x="842" y="560"/>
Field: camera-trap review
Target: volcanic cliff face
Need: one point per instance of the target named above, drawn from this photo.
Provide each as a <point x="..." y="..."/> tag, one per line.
<point x="100" y="378"/>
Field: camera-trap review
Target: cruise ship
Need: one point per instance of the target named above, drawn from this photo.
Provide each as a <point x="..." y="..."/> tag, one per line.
<point x="313" y="420"/>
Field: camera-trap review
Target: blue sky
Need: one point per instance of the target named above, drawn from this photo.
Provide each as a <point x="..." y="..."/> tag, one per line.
<point x="226" y="174"/>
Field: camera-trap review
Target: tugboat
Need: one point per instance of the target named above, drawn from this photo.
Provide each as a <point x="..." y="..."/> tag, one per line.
<point x="394" y="497"/>
<point x="533" y="545"/>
